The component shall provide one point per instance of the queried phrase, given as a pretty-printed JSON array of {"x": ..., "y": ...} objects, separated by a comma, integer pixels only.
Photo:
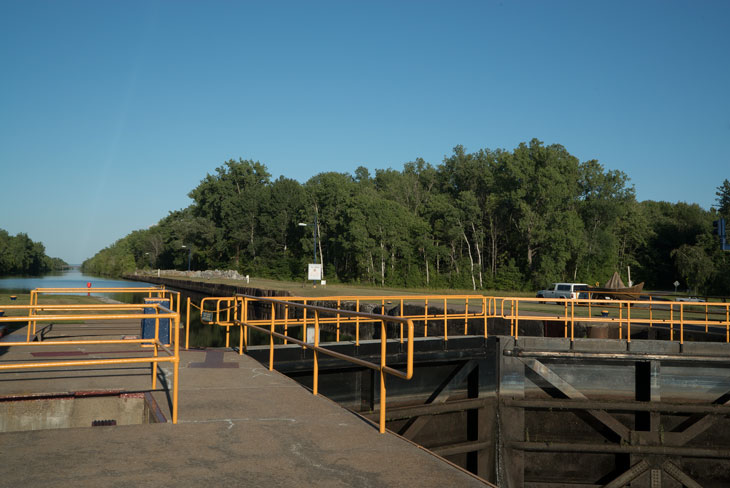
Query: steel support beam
[{"x": 622, "y": 449}]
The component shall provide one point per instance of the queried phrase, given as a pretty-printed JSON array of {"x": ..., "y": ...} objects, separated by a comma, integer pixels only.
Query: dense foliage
[
  {"x": 19, "y": 255},
  {"x": 490, "y": 219}
]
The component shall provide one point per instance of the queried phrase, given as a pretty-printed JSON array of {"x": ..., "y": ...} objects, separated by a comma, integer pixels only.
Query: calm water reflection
[{"x": 68, "y": 279}]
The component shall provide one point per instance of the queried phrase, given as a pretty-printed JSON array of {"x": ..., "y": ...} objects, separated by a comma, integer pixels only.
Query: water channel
[{"x": 72, "y": 278}]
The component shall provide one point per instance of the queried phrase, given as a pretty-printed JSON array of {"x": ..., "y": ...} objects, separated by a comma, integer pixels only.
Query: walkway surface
[{"x": 239, "y": 425}]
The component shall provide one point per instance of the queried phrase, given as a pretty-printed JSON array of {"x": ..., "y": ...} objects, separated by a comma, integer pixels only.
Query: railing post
[
  {"x": 681, "y": 323},
  {"x": 572, "y": 322},
  {"x": 304, "y": 324},
  {"x": 517, "y": 318},
  {"x": 512, "y": 317},
  {"x": 671, "y": 322},
  {"x": 425, "y": 318},
  {"x": 357, "y": 323},
  {"x": 246, "y": 301},
  {"x": 383, "y": 352},
  {"x": 651, "y": 315},
  {"x": 157, "y": 341},
  {"x": 620, "y": 321},
  {"x": 401, "y": 324},
  {"x": 241, "y": 328},
  {"x": 485, "y": 312},
  {"x": 271, "y": 338},
  {"x": 628, "y": 321},
  {"x": 286, "y": 321},
  {"x": 176, "y": 368},
  {"x": 590, "y": 312},
  {"x": 446, "y": 320},
  {"x": 315, "y": 370},
  {"x": 30, "y": 313},
  {"x": 466, "y": 316},
  {"x": 337, "y": 339},
  {"x": 187, "y": 325}
]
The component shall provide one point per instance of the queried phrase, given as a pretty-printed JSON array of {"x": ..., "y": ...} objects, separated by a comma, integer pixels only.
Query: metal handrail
[
  {"x": 161, "y": 292},
  {"x": 475, "y": 307},
  {"x": 675, "y": 315},
  {"x": 240, "y": 319},
  {"x": 659, "y": 313},
  {"x": 161, "y": 312}
]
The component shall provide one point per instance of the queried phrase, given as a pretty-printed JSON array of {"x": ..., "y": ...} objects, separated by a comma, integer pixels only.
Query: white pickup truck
[{"x": 565, "y": 290}]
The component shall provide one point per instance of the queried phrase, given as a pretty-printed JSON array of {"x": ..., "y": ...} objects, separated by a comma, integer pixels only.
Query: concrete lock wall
[{"x": 69, "y": 412}]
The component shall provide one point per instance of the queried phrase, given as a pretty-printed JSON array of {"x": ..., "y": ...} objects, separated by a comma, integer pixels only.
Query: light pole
[
  {"x": 190, "y": 253},
  {"x": 302, "y": 224}
]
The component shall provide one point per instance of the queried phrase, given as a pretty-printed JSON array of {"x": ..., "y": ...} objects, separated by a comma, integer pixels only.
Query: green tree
[
  {"x": 231, "y": 199},
  {"x": 723, "y": 198}
]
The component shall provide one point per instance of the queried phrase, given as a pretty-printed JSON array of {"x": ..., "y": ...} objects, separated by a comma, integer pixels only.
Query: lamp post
[
  {"x": 302, "y": 224},
  {"x": 190, "y": 253}
]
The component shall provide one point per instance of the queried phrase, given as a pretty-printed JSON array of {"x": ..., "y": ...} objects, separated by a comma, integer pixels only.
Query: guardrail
[
  {"x": 474, "y": 312},
  {"x": 675, "y": 316},
  {"x": 456, "y": 308},
  {"x": 159, "y": 292},
  {"x": 104, "y": 312}
]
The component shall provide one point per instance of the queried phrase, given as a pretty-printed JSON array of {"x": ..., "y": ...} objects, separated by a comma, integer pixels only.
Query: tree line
[
  {"x": 19, "y": 255},
  {"x": 490, "y": 219}
]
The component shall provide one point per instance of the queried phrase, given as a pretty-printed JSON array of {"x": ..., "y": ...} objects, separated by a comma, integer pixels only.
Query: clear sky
[{"x": 112, "y": 111}]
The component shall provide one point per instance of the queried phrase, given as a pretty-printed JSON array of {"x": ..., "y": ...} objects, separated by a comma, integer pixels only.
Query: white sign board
[{"x": 315, "y": 272}]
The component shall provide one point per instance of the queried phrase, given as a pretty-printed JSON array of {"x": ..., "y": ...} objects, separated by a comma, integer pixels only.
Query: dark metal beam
[
  {"x": 621, "y": 356},
  {"x": 460, "y": 448},
  {"x": 440, "y": 396},
  {"x": 558, "y": 404},
  {"x": 629, "y": 475},
  {"x": 619, "y": 449},
  {"x": 400, "y": 413},
  {"x": 673, "y": 470}
]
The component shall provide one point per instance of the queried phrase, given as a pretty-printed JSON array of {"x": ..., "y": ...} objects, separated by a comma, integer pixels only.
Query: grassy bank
[{"x": 306, "y": 289}]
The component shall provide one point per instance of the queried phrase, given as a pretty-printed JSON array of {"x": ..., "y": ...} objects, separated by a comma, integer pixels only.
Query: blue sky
[{"x": 111, "y": 112}]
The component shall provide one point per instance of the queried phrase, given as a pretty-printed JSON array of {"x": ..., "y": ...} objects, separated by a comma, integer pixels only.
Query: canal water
[{"x": 68, "y": 279}]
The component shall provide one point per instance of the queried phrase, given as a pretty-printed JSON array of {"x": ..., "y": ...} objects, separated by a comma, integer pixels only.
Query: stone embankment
[{"x": 228, "y": 274}]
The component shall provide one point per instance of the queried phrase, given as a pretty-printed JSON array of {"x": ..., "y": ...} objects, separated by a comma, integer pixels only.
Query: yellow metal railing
[
  {"x": 475, "y": 311},
  {"x": 622, "y": 315},
  {"x": 33, "y": 317},
  {"x": 104, "y": 312},
  {"x": 457, "y": 309},
  {"x": 234, "y": 311}
]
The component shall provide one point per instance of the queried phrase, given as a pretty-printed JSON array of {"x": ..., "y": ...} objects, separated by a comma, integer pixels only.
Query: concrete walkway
[{"x": 239, "y": 425}]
